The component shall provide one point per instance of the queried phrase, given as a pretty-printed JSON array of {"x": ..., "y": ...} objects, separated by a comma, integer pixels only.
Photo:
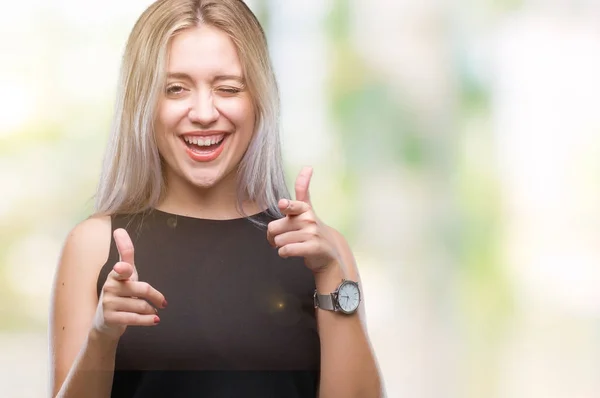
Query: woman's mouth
[{"x": 204, "y": 148}]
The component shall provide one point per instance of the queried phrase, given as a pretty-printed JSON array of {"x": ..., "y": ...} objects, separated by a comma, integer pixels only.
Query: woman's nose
[{"x": 203, "y": 110}]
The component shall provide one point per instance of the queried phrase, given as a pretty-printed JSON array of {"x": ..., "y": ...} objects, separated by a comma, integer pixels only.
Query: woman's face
[{"x": 205, "y": 114}]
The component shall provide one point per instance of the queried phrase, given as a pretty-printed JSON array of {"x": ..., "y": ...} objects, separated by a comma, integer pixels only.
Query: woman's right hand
[{"x": 123, "y": 297}]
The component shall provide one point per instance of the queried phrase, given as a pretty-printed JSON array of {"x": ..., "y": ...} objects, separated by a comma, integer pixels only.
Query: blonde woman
[{"x": 198, "y": 275}]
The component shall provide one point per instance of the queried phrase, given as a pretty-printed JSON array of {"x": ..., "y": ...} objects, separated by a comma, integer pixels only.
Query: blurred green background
[{"x": 455, "y": 144}]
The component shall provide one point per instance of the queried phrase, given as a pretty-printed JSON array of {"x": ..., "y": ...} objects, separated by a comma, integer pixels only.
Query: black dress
[{"x": 239, "y": 321}]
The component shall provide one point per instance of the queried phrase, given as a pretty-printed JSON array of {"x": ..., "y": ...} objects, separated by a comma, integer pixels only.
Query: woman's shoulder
[
  {"x": 88, "y": 242},
  {"x": 91, "y": 230}
]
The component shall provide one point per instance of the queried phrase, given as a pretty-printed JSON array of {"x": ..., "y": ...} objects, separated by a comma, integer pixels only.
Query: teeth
[{"x": 204, "y": 141}]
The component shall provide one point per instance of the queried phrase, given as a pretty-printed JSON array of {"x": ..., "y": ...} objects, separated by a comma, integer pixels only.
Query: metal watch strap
[{"x": 324, "y": 301}]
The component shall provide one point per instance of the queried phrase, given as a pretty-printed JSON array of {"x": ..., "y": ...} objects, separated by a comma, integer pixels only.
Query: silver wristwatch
[{"x": 345, "y": 298}]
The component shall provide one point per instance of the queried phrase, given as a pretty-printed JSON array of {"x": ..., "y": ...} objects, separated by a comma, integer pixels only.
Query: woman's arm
[
  {"x": 348, "y": 365},
  {"x": 91, "y": 374},
  {"x": 82, "y": 361}
]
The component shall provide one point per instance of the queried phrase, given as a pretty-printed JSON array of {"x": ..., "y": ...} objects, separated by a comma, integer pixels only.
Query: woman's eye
[
  {"x": 174, "y": 89},
  {"x": 229, "y": 90}
]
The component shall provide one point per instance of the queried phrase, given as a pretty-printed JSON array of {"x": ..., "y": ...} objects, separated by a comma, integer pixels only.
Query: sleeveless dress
[{"x": 240, "y": 320}]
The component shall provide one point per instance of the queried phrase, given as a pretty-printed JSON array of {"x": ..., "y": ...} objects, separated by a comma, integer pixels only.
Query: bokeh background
[{"x": 455, "y": 144}]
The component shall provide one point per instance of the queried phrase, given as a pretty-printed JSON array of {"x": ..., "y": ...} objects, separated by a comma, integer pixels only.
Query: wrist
[
  {"x": 102, "y": 339},
  {"x": 100, "y": 351},
  {"x": 328, "y": 279},
  {"x": 335, "y": 292}
]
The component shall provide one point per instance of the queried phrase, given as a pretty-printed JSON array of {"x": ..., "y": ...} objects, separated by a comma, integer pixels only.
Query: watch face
[{"x": 348, "y": 297}]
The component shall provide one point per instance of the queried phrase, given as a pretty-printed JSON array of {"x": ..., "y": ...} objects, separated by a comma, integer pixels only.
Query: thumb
[
  {"x": 125, "y": 248},
  {"x": 302, "y": 184}
]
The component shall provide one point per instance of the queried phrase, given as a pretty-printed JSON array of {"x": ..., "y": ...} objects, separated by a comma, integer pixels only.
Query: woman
[{"x": 195, "y": 276}]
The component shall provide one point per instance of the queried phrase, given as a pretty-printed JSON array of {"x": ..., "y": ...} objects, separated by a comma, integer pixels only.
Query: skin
[
  {"x": 200, "y": 96},
  {"x": 205, "y": 92}
]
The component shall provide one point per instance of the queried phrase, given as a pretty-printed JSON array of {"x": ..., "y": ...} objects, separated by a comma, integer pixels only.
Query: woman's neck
[{"x": 218, "y": 202}]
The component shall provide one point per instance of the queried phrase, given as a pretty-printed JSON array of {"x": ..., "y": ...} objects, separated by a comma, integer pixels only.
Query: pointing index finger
[
  {"x": 122, "y": 271},
  {"x": 293, "y": 207}
]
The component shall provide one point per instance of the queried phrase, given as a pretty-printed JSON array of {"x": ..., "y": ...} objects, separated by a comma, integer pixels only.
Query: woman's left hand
[{"x": 300, "y": 233}]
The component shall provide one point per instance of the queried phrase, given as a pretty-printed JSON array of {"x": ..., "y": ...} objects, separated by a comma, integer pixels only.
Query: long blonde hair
[{"x": 132, "y": 177}]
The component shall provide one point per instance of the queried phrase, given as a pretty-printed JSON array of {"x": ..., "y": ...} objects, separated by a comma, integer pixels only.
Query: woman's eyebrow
[
  {"x": 218, "y": 78},
  {"x": 237, "y": 78},
  {"x": 178, "y": 75}
]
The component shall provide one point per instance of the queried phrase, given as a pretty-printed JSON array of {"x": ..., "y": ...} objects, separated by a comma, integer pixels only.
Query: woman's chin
[
  {"x": 204, "y": 179},
  {"x": 203, "y": 182}
]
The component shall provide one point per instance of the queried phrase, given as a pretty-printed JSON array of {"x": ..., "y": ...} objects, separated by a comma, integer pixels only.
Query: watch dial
[{"x": 349, "y": 297}]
